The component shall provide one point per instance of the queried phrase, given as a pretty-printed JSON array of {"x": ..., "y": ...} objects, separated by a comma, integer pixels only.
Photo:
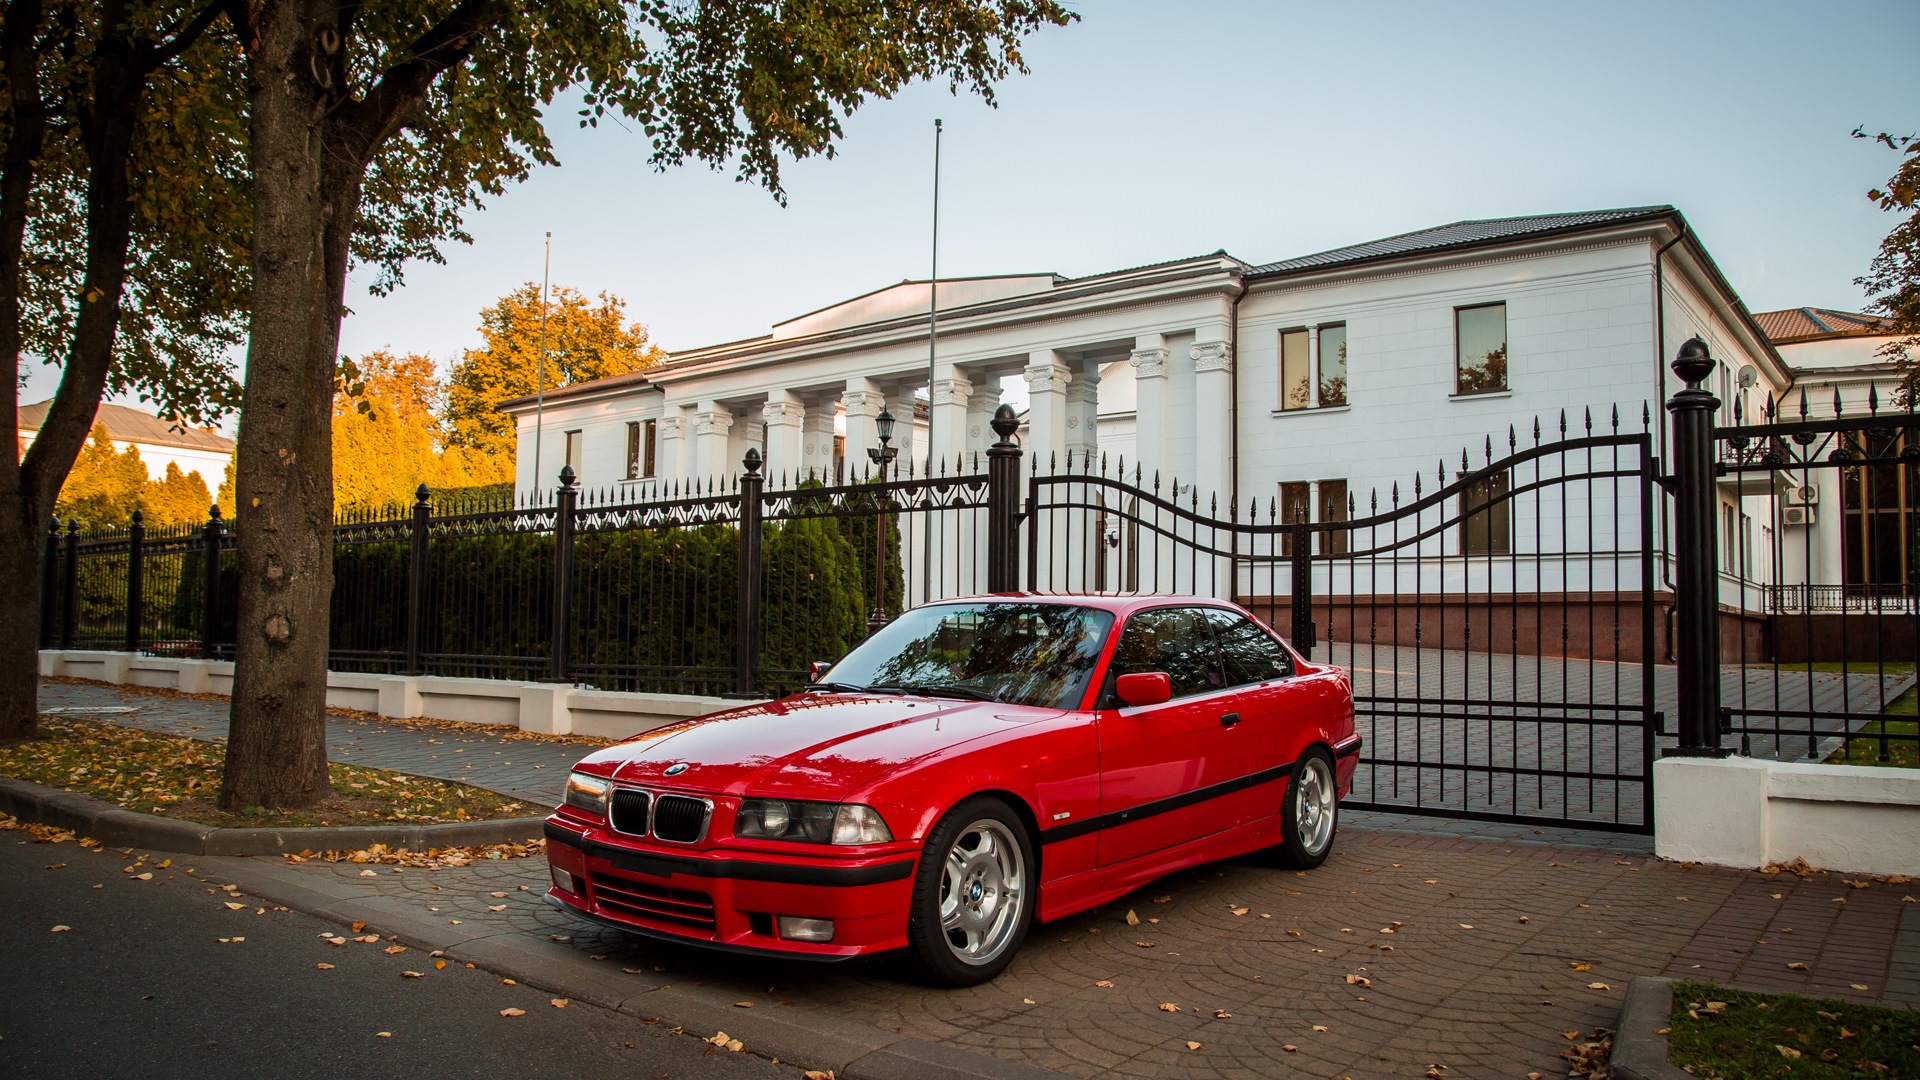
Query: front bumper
[{"x": 731, "y": 900}]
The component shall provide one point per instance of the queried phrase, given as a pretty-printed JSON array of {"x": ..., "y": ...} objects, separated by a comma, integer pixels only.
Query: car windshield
[{"x": 1022, "y": 654}]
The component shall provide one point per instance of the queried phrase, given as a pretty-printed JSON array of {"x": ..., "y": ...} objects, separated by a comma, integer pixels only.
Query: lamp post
[{"x": 882, "y": 456}]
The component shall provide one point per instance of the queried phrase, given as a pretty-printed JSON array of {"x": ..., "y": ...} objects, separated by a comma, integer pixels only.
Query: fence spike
[
  {"x": 1464, "y": 467},
  {"x": 1489, "y": 450},
  {"x": 1396, "y": 493},
  {"x": 1536, "y": 431},
  {"x": 1589, "y": 420},
  {"x": 1616, "y": 418},
  {"x": 1563, "y": 424},
  {"x": 1416, "y": 485},
  {"x": 1873, "y": 398},
  {"x": 1738, "y": 418},
  {"x": 1373, "y": 501},
  {"x": 1646, "y": 414},
  {"x": 1836, "y": 400},
  {"x": 1803, "y": 403}
]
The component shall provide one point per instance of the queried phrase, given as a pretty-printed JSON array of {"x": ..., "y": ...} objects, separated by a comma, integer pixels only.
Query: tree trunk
[{"x": 276, "y": 749}]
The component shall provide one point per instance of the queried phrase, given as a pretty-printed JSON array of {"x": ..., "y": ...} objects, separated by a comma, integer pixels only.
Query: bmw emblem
[{"x": 676, "y": 770}]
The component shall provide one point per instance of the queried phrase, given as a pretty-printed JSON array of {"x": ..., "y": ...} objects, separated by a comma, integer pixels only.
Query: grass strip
[
  {"x": 178, "y": 777},
  {"x": 1722, "y": 1034}
]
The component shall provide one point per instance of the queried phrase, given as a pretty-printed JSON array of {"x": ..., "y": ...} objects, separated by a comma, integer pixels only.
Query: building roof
[
  {"x": 135, "y": 426},
  {"x": 1462, "y": 234},
  {"x": 1795, "y": 325}
]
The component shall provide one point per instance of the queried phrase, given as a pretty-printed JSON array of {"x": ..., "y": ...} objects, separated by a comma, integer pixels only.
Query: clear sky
[{"x": 1155, "y": 130}]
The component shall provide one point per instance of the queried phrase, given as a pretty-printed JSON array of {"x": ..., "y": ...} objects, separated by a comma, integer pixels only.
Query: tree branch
[
  {"x": 444, "y": 45},
  {"x": 168, "y": 48}
]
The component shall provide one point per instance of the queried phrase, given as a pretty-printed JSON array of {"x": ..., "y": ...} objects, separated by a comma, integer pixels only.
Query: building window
[
  {"x": 642, "y": 449},
  {"x": 1296, "y": 505},
  {"x": 1881, "y": 530},
  {"x": 574, "y": 445},
  {"x": 1486, "y": 518},
  {"x": 1296, "y": 371},
  {"x": 1480, "y": 349},
  {"x": 1333, "y": 366},
  {"x": 1333, "y": 507}
]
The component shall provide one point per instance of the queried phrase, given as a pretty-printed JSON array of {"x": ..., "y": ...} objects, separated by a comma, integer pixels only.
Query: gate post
[
  {"x": 417, "y": 577},
  {"x": 49, "y": 582},
  {"x": 565, "y": 500},
  {"x": 1303, "y": 635},
  {"x": 1003, "y": 504},
  {"x": 136, "y": 580},
  {"x": 70, "y": 586},
  {"x": 210, "y": 582},
  {"x": 746, "y": 626},
  {"x": 1696, "y": 577}
]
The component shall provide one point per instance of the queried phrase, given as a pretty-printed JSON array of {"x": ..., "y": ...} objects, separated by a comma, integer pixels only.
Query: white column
[
  {"x": 862, "y": 401},
  {"x": 674, "y": 462},
  {"x": 816, "y": 440},
  {"x": 980, "y": 408},
  {"x": 1047, "y": 380},
  {"x": 1313, "y": 365},
  {"x": 783, "y": 414},
  {"x": 712, "y": 428},
  {"x": 1212, "y": 369},
  {"x": 948, "y": 411},
  {"x": 1149, "y": 362},
  {"x": 1083, "y": 409}
]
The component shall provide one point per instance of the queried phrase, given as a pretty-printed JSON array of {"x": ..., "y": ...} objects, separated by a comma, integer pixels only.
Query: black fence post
[
  {"x": 1303, "y": 636},
  {"x": 50, "y": 583},
  {"x": 210, "y": 583},
  {"x": 1696, "y": 576},
  {"x": 746, "y": 627},
  {"x": 70, "y": 586},
  {"x": 565, "y": 500},
  {"x": 417, "y": 578},
  {"x": 1003, "y": 504},
  {"x": 136, "y": 580}
]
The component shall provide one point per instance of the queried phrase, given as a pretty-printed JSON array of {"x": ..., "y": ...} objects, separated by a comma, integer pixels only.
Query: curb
[
  {"x": 1639, "y": 1048},
  {"x": 852, "y": 1050},
  {"x": 115, "y": 827}
]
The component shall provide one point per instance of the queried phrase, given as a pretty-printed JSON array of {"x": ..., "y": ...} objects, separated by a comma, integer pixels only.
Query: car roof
[{"x": 1121, "y": 604}]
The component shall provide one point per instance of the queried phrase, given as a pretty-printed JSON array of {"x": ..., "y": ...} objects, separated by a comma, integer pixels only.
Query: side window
[
  {"x": 1247, "y": 654},
  {"x": 1177, "y": 641}
]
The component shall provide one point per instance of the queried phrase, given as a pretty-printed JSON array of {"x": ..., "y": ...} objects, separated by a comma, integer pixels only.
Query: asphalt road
[{"x": 141, "y": 985}]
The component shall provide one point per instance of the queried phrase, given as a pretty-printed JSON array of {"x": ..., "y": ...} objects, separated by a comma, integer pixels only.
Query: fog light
[
  {"x": 567, "y": 882},
  {"x": 797, "y": 929}
]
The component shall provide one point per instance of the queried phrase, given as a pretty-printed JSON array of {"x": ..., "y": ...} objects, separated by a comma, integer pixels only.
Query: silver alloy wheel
[
  {"x": 1313, "y": 807},
  {"x": 983, "y": 884}
]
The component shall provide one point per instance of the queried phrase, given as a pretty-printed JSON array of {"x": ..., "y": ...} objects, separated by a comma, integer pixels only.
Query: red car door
[
  {"x": 1157, "y": 762},
  {"x": 1276, "y": 707}
]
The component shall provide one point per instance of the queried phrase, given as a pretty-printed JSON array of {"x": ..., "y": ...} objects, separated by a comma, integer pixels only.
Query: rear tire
[
  {"x": 1310, "y": 814},
  {"x": 973, "y": 896}
]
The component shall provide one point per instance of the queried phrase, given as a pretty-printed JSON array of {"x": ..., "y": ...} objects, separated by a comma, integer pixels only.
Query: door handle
[{"x": 1229, "y": 719}]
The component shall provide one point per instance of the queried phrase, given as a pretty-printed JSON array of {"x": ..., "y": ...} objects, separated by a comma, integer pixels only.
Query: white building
[{"x": 160, "y": 442}]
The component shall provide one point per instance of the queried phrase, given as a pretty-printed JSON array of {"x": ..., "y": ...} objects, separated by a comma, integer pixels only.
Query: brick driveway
[{"x": 1462, "y": 982}]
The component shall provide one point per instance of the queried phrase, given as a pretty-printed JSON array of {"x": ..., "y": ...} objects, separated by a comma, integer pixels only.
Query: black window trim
[{"x": 1107, "y": 699}]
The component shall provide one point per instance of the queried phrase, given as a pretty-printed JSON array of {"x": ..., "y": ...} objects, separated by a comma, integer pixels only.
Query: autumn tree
[
  {"x": 583, "y": 341},
  {"x": 1892, "y": 280},
  {"x": 429, "y": 106},
  {"x": 177, "y": 498},
  {"x": 123, "y": 248},
  {"x": 388, "y": 439},
  {"x": 105, "y": 486}
]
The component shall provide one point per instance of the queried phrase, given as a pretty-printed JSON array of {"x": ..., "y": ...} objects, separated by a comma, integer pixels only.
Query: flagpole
[
  {"x": 933, "y": 343},
  {"x": 540, "y": 388}
]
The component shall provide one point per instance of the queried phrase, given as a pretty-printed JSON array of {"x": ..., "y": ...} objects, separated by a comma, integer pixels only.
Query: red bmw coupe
[{"x": 975, "y": 765}]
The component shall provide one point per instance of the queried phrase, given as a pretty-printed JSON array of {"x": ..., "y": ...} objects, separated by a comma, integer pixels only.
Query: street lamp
[{"x": 882, "y": 456}]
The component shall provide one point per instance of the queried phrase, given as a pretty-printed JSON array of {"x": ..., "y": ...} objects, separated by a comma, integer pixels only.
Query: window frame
[
  {"x": 1234, "y": 618},
  {"x": 1498, "y": 508},
  {"x": 1506, "y": 351},
  {"x": 1307, "y": 342},
  {"x": 1320, "y": 368},
  {"x": 573, "y": 445},
  {"x": 1109, "y": 697}
]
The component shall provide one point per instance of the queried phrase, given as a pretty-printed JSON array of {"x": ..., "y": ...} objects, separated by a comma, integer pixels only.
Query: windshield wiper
[
  {"x": 837, "y": 687},
  {"x": 940, "y": 691}
]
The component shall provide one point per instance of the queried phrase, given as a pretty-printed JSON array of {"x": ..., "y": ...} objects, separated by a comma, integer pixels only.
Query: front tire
[
  {"x": 973, "y": 895},
  {"x": 1311, "y": 813}
]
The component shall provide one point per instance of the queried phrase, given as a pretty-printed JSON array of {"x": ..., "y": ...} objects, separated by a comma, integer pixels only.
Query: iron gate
[{"x": 1498, "y": 616}]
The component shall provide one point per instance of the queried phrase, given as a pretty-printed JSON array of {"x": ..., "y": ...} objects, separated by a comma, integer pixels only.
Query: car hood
[{"x": 810, "y": 746}]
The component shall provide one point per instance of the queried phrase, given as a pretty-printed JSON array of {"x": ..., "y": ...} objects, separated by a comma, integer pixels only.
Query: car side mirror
[
  {"x": 818, "y": 670},
  {"x": 1144, "y": 688}
]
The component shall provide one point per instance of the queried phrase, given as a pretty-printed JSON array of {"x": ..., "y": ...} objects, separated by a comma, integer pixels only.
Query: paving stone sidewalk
[{"x": 1478, "y": 974}]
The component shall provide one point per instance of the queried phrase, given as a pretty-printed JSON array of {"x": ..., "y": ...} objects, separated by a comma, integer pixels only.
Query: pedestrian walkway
[{"x": 531, "y": 769}]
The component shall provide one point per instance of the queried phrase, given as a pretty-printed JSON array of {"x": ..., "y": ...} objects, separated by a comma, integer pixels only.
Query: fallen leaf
[
  {"x": 558, "y": 1003},
  {"x": 1104, "y": 982},
  {"x": 1222, "y": 1014},
  {"x": 1466, "y": 926},
  {"x": 1821, "y": 1013},
  {"x": 411, "y": 975},
  {"x": 148, "y": 876},
  {"x": 1858, "y": 986},
  {"x": 1598, "y": 986},
  {"x": 1191, "y": 1045},
  {"x": 1845, "y": 1034},
  {"x": 1162, "y": 899},
  {"x": 1289, "y": 1048},
  {"x": 1578, "y": 966},
  {"x": 1024, "y": 1001},
  {"x": 1433, "y": 881},
  {"x": 1570, "y": 1034},
  {"x": 496, "y": 907},
  {"x": 369, "y": 873},
  {"x": 1144, "y": 944},
  {"x": 1168, "y": 1006},
  {"x": 394, "y": 950},
  {"x": 357, "y": 927},
  {"x": 513, "y": 1012},
  {"x": 61, "y": 929},
  {"x": 816, "y": 1074},
  {"x": 1523, "y": 918},
  {"x": 368, "y": 939},
  {"x": 1239, "y": 911},
  {"x": 1293, "y": 933},
  {"x": 1786, "y": 1051},
  {"x": 498, "y": 895},
  {"x": 1798, "y": 967},
  {"x": 1319, "y": 1027},
  {"x": 231, "y": 906},
  {"x": 508, "y": 982},
  {"x": 1132, "y": 919},
  {"x": 383, "y": 1034},
  {"x": 324, "y": 967},
  {"x": 1359, "y": 980}
]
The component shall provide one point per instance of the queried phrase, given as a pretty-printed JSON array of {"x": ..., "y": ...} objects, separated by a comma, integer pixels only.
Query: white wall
[{"x": 1745, "y": 813}]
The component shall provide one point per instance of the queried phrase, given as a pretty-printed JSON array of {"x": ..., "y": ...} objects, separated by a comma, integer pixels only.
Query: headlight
[
  {"x": 809, "y": 822},
  {"x": 588, "y": 793}
]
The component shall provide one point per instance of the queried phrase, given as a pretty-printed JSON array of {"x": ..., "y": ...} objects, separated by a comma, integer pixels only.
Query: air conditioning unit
[
  {"x": 1797, "y": 515},
  {"x": 1801, "y": 495}
]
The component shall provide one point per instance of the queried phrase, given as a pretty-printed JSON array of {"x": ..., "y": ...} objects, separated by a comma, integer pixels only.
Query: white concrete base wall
[
  {"x": 1860, "y": 819},
  {"x": 547, "y": 708}
]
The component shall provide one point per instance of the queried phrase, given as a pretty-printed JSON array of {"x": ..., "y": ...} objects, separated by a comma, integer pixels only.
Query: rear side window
[
  {"x": 1247, "y": 654},
  {"x": 1178, "y": 641}
]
